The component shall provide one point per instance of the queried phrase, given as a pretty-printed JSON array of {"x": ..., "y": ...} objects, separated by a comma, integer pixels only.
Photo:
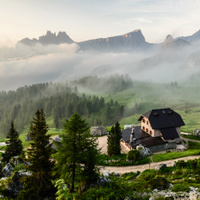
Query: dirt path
[
  {"x": 102, "y": 143},
  {"x": 141, "y": 168}
]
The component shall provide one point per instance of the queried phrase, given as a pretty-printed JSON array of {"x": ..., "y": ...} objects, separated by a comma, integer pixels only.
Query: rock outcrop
[
  {"x": 98, "y": 131},
  {"x": 7, "y": 170},
  {"x": 170, "y": 43},
  {"x": 48, "y": 39},
  {"x": 160, "y": 166},
  {"x": 144, "y": 151},
  {"x": 126, "y": 42}
]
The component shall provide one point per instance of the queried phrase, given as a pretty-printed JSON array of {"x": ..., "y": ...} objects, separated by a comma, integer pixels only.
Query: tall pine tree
[
  {"x": 74, "y": 162},
  {"x": 14, "y": 144},
  {"x": 39, "y": 184},
  {"x": 113, "y": 141}
]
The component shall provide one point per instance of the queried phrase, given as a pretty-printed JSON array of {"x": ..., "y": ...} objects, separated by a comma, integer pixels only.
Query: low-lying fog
[{"x": 24, "y": 65}]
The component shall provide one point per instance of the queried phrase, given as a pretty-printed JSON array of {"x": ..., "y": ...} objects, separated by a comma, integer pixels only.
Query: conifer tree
[
  {"x": 14, "y": 144},
  {"x": 38, "y": 185},
  {"x": 113, "y": 141},
  {"x": 74, "y": 162}
]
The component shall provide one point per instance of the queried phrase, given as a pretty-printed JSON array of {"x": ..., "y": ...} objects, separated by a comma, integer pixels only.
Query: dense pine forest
[{"x": 60, "y": 101}]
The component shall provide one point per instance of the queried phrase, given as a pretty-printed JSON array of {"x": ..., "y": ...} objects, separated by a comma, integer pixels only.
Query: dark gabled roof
[
  {"x": 163, "y": 118},
  {"x": 148, "y": 142},
  {"x": 141, "y": 137},
  {"x": 138, "y": 133},
  {"x": 169, "y": 133}
]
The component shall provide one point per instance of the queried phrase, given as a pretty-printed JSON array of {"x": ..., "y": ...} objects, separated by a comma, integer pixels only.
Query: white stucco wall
[{"x": 146, "y": 126}]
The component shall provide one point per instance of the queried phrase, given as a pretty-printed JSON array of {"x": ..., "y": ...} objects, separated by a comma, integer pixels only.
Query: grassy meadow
[
  {"x": 144, "y": 96},
  {"x": 139, "y": 97}
]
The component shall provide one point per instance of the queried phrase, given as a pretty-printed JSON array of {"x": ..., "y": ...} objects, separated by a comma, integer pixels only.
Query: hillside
[
  {"x": 102, "y": 101},
  {"x": 59, "y": 101}
]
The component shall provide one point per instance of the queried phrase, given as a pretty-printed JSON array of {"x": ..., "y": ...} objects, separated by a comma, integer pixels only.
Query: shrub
[
  {"x": 180, "y": 187},
  {"x": 147, "y": 175},
  {"x": 192, "y": 164},
  {"x": 19, "y": 167},
  {"x": 133, "y": 155},
  {"x": 181, "y": 164},
  {"x": 193, "y": 145},
  {"x": 165, "y": 170},
  {"x": 158, "y": 183},
  {"x": 130, "y": 175}
]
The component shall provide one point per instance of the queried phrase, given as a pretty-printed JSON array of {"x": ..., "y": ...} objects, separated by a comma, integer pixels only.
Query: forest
[
  {"x": 102, "y": 100},
  {"x": 59, "y": 101},
  {"x": 72, "y": 172}
]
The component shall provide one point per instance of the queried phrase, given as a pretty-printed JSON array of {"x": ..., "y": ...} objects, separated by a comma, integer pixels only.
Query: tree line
[
  {"x": 74, "y": 162},
  {"x": 59, "y": 101}
]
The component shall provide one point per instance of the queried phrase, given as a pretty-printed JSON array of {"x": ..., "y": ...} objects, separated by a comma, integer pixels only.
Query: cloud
[{"x": 25, "y": 65}]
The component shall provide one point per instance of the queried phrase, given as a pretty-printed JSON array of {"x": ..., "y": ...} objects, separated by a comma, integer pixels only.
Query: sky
[{"x": 89, "y": 19}]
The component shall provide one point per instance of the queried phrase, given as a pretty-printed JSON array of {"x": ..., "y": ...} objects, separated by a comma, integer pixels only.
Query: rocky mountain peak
[
  {"x": 49, "y": 38},
  {"x": 194, "y": 38},
  {"x": 170, "y": 42},
  {"x": 125, "y": 42}
]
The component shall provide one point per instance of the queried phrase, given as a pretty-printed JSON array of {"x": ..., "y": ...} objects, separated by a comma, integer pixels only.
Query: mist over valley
[
  {"x": 125, "y": 69},
  {"x": 56, "y": 57}
]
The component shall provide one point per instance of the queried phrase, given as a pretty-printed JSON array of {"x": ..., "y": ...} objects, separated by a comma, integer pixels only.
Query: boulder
[
  {"x": 144, "y": 151},
  {"x": 15, "y": 185},
  {"x": 28, "y": 137},
  {"x": 102, "y": 180},
  {"x": 196, "y": 132},
  {"x": 16, "y": 160},
  {"x": 98, "y": 131},
  {"x": 7, "y": 170},
  {"x": 160, "y": 166}
]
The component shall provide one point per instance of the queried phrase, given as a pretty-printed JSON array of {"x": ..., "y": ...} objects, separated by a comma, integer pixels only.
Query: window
[
  {"x": 143, "y": 120},
  {"x": 143, "y": 128},
  {"x": 147, "y": 130},
  {"x": 150, "y": 132},
  {"x": 147, "y": 122}
]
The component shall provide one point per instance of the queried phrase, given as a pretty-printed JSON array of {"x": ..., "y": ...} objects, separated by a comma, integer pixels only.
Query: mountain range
[
  {"x": 57, "y": 57},
  {"x": 128, "y": 42}
]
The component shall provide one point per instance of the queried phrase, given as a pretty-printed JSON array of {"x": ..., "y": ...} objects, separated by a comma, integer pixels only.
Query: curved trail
[
  {"x": 141, "y": 168},
  {"x": 103, "y": 145}
]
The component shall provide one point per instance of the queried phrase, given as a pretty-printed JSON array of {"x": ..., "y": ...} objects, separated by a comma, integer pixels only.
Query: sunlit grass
[{"x": 175, "y": 155}]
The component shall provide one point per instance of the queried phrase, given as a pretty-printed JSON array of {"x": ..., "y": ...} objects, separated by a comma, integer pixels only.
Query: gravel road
[
  {"x": 141, "y": 168},
  {"x": 102, "y": 143}
]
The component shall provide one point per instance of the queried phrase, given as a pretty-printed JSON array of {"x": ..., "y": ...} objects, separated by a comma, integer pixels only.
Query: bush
[
  {"x": 147, "y": 175},
  {"x": 165, "y": 170},
  {"x": 181, "y": 164},
  {"x": 19, "y": 167},
  {"x": 133, "y": 155},
  {"x": 180, "y": 187},
  {"x": 158, "y": 182},
  {"x": 115, "y": 189},
  {"x": 119, "y": 160},
  {"x": 130, "y": 175},
  {"x": 193, "y": 145}
]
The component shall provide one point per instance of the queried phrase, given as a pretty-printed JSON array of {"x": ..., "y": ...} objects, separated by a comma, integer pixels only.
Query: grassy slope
[
  {"x": 149, "y": 96},
  {"x": 174, "y": 155},
  {"x": 183, "y": 100}
]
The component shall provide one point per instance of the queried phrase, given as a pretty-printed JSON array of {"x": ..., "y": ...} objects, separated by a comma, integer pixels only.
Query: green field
[
  {"x": 175, "y": 155},
  {"x": 138, "y": 97}
]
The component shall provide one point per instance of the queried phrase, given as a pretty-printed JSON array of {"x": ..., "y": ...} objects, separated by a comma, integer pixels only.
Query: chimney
[{"x": 132, "y": 135}]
